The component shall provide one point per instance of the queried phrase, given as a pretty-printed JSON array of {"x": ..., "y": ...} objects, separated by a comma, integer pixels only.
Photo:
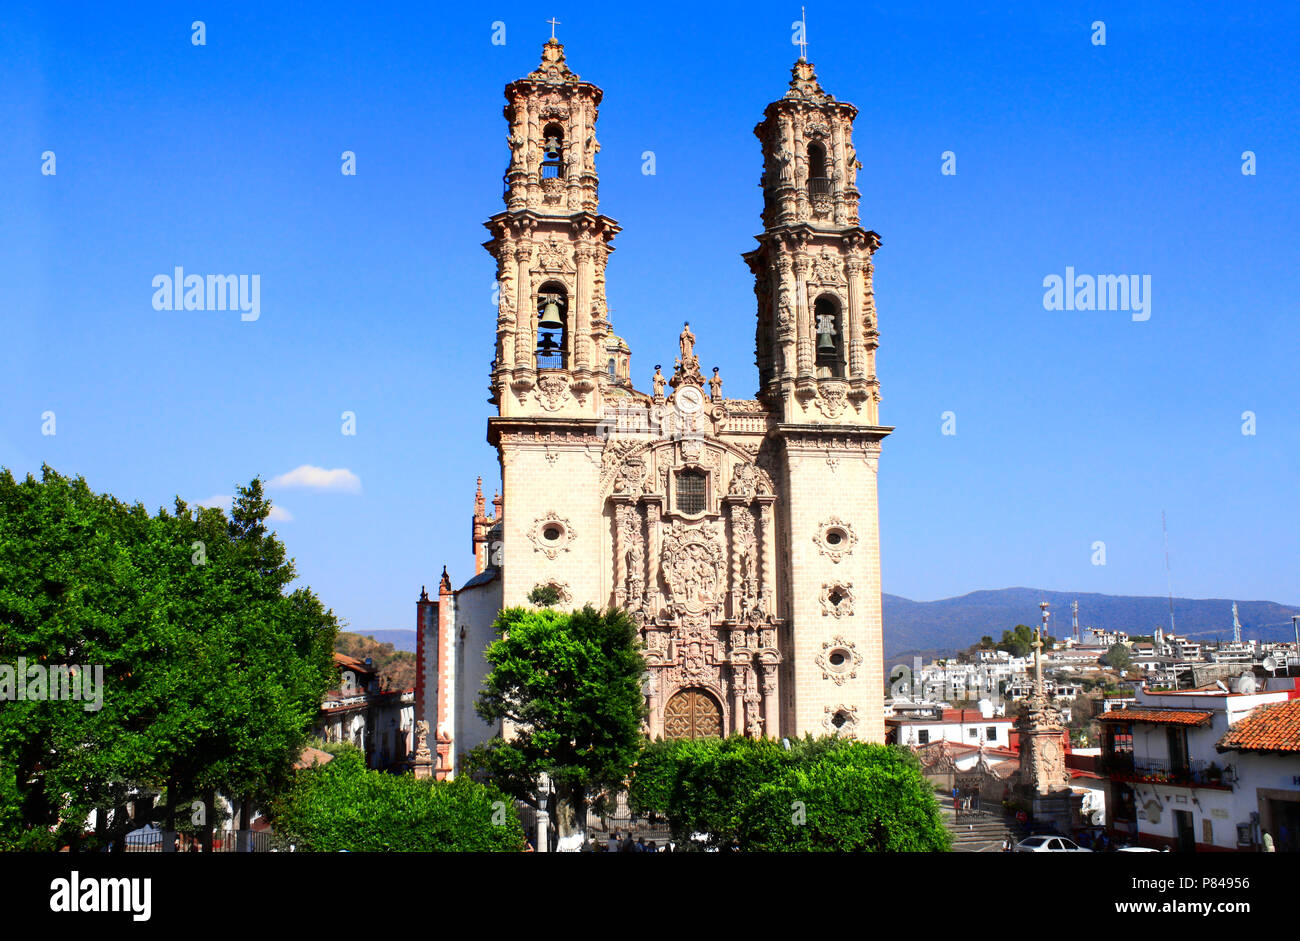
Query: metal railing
[
  {"x": 1125, "y": 766},
  {"x": 819, "y": 186}
]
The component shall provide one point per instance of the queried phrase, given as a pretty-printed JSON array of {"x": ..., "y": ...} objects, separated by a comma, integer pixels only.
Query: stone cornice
[
  {"x": 544, "y": 431},
  {"x": 841, "y": 437},
  {"x": 583, "y": 221},
  {"x": 852, "y": 236}
]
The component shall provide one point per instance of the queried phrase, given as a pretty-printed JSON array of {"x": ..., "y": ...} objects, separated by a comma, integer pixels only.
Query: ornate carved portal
[
  {"x": 692, "y": 713},
  {"x": 698, "y": 577}
]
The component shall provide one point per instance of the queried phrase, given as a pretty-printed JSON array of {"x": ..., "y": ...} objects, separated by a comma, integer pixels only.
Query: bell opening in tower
[
  {"x": 552, "y": 152},
  {"x": 830, "y": 358},
  {"x": 552, "y": 326},
  {"x": 819, "y": 183}
]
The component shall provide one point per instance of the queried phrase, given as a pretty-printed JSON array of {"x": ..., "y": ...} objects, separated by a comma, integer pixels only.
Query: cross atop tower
[
  {"x": 554, "y": 23},
  {"x": 803, "y": 33}
]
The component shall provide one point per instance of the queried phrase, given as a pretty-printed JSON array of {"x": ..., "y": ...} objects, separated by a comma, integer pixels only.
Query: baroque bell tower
[
  {"x": 551, "y": 244},
  {"x": 558, "y": 363},
  {"x": 816, "y": 354}
]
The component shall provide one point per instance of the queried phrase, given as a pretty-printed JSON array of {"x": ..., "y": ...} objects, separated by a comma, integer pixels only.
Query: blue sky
[{"x": 1072, "y": 426}]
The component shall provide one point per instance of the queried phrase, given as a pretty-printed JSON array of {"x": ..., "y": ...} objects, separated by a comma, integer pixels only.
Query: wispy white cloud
[{"x": 319, "y": 478}]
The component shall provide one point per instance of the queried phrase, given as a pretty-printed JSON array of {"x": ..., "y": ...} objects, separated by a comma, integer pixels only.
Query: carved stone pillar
[
  {"x": 838, "y": 171},
  {"x": 581, "y": 314},
  {"x": 803, "y": 328},
  {"x": 735, "y": 507},
  {"x": 573, "y": 168},
  {"x": 623, "y": 511},
  {"x": 653, "y": 510},
  {"x": 771, "y": 701},
  {"x": 767, "y": 538},
  {"x": 786, "y": 317},
  {"x": 738, "y": 674},
  {"x": 524, "y": 341},
  {"x": 856, "y": 353},
  {"x": 655, "y": 707}
]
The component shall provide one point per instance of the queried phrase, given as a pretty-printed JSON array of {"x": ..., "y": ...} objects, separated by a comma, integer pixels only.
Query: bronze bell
[
  {"x": 550, "y": 317},
  {"x": 825, "y": 343},
  {"x": 552, "y": 148}
]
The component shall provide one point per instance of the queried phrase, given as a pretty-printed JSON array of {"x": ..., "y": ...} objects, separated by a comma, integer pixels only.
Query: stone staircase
[{"x": 979, "y": 832}]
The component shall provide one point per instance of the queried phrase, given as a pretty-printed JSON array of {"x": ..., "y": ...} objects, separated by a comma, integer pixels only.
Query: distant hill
[
  {"x": 943, "y": 627},
  {"x": 400, "y": 639},
  {"x": 396, "y": 667}
]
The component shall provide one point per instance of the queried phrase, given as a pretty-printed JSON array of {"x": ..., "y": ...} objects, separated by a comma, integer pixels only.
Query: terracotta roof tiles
[
  {"x": 1187, "y": 717},
  {"x": 1273, "y": 728}
]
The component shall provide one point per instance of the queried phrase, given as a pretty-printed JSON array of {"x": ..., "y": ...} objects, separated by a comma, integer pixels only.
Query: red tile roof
[
  {"x": 352, "y": 663},
  {"x": 309, "y": 757},
  {"x": 1274, "y": 728},
  {"x": 1157, "y": 716}
]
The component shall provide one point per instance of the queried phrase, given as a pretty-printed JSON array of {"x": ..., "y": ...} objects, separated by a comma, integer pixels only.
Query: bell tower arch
[{"x": 551, "y": 244}]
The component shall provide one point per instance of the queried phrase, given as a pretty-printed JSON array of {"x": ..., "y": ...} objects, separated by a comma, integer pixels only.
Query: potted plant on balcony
[{"x": 1214, "y": 774}]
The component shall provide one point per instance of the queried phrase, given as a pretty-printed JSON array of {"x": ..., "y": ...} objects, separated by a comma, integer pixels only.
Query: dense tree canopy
[
  {"x": 344, "y": 806},
  {"x": 570, "y": 686},
  {"x": 212, "y": 670},
  {"x": 816, "y": 794}
]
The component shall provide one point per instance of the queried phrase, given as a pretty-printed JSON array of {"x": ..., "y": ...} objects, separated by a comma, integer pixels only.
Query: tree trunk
[
  {"x": 171, "y": 804},
  {"x": 209, "y": 812}
]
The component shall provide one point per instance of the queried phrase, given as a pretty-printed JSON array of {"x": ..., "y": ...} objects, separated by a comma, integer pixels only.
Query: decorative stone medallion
[
  {"x": 835, "y": 538},
  {"x": 551, "y": 534},
  {"x": 841, "y": 720},
  {"x": 837, "y": 599},
  {"x": 839, "y": 660},
  {"x": 552, "y": 390}
]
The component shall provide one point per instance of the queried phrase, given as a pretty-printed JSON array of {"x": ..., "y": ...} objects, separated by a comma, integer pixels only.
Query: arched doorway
[{"x": 692, "y": 713}]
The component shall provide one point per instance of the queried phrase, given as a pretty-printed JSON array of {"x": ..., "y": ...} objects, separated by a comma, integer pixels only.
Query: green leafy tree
[
  {"x": 1117, "y": 656},
  {"x": 748, "y": 794},
  {"x": 211, "y": 673},
  {"x": 570, "y": 685},
  {"x": 855, "y": 799},
  {"x": 546, "y": 596},
  {"x": 1019, "y": 642},
  {"x": 342, "y": 805}
]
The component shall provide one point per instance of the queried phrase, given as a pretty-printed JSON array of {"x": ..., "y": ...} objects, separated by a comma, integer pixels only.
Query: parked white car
[{"x": 1048, "y": 844}]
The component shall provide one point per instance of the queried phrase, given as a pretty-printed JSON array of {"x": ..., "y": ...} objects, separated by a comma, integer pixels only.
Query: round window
[
  {"x": 839, "y": 659},
  {"x": 552, "y": 533},
  {"x": 834, "y": 537}
]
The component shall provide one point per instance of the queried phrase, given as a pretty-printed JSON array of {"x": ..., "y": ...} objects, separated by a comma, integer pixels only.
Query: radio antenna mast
[{"x": 1168, "y": 574}]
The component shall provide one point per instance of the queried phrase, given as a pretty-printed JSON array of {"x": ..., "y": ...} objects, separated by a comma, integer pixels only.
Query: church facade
[{"x": 740, "y": 534}]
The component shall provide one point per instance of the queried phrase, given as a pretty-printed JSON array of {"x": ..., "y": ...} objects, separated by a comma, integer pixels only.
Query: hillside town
[{"x": 1167, "y": 742}]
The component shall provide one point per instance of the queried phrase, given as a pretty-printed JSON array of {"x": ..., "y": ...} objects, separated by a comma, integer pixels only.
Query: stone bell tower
[
  {"x": 552, "y": 377},
  {"x": 816, "y": 354},
  {"x": 551, "y": 244}
]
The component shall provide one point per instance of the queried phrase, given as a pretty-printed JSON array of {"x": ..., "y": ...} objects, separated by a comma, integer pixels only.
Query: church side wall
[
  {"x": 822, "y": 497},
  {"x": 555, "y": 483},
  {"x": 476, "y": 611}
]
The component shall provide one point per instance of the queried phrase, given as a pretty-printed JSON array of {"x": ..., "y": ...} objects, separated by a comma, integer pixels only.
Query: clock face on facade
[{"x": 688, "y": 400}]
